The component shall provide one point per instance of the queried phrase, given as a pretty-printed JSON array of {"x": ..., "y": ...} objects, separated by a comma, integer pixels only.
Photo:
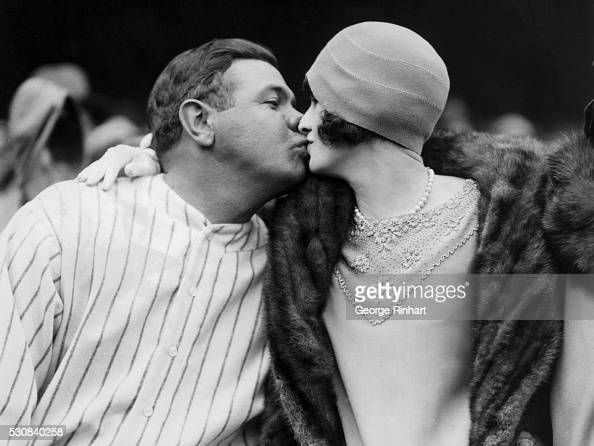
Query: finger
[
  {"x": 95, "y": 173},
  {"x": 146, "y": 141},
  {"x": 152, "y": 154},
  {"x": 114, "y": 160},
  {"x": 120, "y": 154},
  {"x": 91, "y": 169},
  {"x": 142, "y": 165},
  {"x": 131, "y": 169},
  {"x": 83, "y": 175},
  {"x": 111, "y": 173}
]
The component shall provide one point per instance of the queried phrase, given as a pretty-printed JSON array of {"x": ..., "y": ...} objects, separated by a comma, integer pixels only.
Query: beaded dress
[{"x": 396, "y": 377}]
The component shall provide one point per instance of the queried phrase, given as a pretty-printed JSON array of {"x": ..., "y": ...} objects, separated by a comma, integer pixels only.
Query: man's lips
[
  {"x": 308, "y": 145},
  {"x": 301, "y": 146},
  {"x": 301, "y": 150}
]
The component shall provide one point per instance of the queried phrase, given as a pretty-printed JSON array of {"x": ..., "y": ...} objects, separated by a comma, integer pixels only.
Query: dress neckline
[{"x": 468, "y": 186}]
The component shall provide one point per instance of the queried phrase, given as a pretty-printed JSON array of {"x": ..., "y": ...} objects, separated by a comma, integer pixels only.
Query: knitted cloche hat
[{"x": 384, "y": 78}]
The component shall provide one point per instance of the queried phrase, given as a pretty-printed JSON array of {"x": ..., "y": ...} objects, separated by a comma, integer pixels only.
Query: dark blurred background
[
  {"x": 523, "y": 56},
  {"x": 75, "y": 76}
]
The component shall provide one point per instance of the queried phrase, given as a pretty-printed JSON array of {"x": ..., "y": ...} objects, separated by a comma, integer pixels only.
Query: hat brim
[{"x": 33, "y": 149}]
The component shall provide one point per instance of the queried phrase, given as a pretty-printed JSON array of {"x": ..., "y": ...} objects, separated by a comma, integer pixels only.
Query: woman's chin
[
  {"x": 322, "y": 169},
  {"x": 317, "y": 168},
  {"x": 315, "y": 164}
]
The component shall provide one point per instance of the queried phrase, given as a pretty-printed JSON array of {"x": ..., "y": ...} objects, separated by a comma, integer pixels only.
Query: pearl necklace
[{"x": 420, "y": 205}]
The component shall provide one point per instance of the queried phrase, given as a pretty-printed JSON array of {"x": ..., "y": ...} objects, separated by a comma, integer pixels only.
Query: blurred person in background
[
  {"x": 512, "y": 124},
  {"x": 104, "y": 119},
  {"x": 456, "y": 116},
  {"x": 50, "y": 135},
  {"x": 45, "y": 143}
]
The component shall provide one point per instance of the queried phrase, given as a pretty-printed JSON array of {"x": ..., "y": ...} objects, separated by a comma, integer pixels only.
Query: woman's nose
[{"x": 304, "y": 123}]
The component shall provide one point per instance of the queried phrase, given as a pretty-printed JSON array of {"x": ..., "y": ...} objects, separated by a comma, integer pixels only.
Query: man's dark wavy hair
[
  {"x": 334, "y": 130},
  {"x": 196, "y": 74}
]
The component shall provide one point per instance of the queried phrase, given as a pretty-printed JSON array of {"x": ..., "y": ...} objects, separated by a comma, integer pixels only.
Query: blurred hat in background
[
  {"x": 32, "y": 105},
  {"x": 69, "y": 76},
  {"x": 43, "y": 127}
]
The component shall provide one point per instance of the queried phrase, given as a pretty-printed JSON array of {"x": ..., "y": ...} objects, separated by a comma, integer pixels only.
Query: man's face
[{"x": 259, "y": 134}]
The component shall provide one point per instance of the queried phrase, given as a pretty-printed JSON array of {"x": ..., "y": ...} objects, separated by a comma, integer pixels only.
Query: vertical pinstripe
[
  {"x": 105, "y": 323},
  {"x": 127, "y": 324},
  {"x": 14, "y": 380},
  {"x": 262, "y": 355},
  {"x": 28, "y": 267},
  {"x": 25, "y": 407},
  {"x": 184, "y": 327},
  {"x": 34, "y": 296},
  {"x": 185, "y": 324},
  {"x": 130, "y": 318},
  {"x": 194, "y": 343},
  {"x": 86, "y": 371},
  {"x": 184, "y": 264},
  {"x": 42, "y": 359},
  {"x": 73, "y": 281},
  {"x": 86, "y": 316},
  {"x": 127, "y": 411},
  {"x": 22, "y": 242},
  {"x": 52, "y": 225},
  {"x": 8, "y": 331},
  {"x": 144, "y": 375},
  {"x": 95, "y": 239},
  {"x": 40, "y": 326},
  {"x": 231, "y": 338},
  {"x": 208, "y": 346},
  {"x": 243, "y": 361}
]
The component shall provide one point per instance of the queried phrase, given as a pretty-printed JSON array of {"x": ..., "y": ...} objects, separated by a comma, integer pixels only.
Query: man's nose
[{"x": 293, "y": 119}]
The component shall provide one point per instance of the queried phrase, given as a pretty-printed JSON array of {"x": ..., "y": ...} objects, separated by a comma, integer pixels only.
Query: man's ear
[
  {"x": 589, "y": 121},
  {"x": 194, "y": 116}
]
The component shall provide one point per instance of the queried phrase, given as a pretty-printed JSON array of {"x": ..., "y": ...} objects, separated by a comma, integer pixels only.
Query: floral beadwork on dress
[
  {"x": 411, "y": 242},
  {"x": 361, "y": 263}
]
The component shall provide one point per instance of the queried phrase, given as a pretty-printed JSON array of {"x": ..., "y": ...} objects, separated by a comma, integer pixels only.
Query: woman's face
[{"x": 323, "y": 159}]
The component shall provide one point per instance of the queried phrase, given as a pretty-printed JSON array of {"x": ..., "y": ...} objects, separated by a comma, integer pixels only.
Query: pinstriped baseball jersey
[{"x": 130, "y": 319}]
